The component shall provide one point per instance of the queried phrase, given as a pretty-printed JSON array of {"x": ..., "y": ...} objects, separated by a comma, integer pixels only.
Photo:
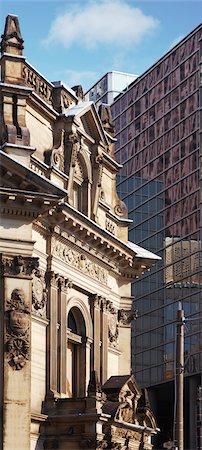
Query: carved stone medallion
[
  {"x": 39, "y": 294},
  {"x": 17, "y": 329},
  {"x": 113, "y": 330}
]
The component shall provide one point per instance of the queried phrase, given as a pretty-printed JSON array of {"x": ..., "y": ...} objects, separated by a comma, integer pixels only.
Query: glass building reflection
[{"x": 158, "y": 130}]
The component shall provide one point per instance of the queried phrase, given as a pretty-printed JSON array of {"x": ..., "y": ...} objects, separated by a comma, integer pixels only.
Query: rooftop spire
[{"x": 12, "y": 41}]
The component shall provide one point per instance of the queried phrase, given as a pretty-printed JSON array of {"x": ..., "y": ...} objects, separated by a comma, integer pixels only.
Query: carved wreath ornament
[{"x": 17, "y": 330}]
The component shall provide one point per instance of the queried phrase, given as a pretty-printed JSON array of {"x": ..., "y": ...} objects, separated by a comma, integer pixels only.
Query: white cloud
[
  {"x": 104, "y": 22},
  {"x": 176, "y": 40}
]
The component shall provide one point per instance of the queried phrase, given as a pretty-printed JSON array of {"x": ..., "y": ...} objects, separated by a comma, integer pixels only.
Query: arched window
[{"x": 76, "y": 353}]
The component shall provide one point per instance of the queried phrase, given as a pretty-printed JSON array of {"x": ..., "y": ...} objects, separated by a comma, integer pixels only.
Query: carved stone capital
[
  {"x": 95, "y": 300},
  {"x": 57, "y": 281},
  {"x": 17, "y": 317},
  {"x": 64, "y": 284},
  {"x": 104, "y": 304},
  {"x": 18, "y": 265},
  {"x": 126, "y": 316}
]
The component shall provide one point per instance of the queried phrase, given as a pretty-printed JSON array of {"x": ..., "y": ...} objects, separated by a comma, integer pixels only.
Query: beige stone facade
[{"x": 66, "y": 269}]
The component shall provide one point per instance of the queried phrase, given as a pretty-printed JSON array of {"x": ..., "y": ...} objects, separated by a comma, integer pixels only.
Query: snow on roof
[
  {"x": 142, "y": 252},
  {"x": 76, "y": 109}
]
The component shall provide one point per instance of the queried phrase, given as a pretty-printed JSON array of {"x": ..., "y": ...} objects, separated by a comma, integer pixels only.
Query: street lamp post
[{"x": 179, "y": 384}]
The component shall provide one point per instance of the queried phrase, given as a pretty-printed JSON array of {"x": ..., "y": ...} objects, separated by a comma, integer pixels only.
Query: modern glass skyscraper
[
  {"x": 108, "y": 87},
  {"x": 158, "y": 129}
]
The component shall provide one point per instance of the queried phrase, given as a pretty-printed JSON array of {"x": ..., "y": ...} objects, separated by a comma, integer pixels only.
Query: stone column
[
  {"x": 16, "y": 301},
  {"x": 52, "y": 333},
  {"x": 104, "y": 349}
]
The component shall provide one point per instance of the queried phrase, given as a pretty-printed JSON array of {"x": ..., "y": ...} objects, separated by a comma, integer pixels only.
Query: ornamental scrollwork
[
  {"x": 121, "y": 209},
  {"x": 17, "y": 330}
]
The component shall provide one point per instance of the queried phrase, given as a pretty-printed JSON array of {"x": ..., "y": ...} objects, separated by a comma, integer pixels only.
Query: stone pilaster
[
  {"x": 104, "y": 348},
  {"x": 52, "y": 333},
  {"x": 62, "y": 333},
  {"x": 95, "y": 311},
  {"x": 16, "y": 289}
]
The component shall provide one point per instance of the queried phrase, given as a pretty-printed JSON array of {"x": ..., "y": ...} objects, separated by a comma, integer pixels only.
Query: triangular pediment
[{"x": 89, "y": 119}]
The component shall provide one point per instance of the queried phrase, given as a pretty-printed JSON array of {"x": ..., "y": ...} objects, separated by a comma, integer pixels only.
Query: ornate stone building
[{"x": 66, "y": 269}]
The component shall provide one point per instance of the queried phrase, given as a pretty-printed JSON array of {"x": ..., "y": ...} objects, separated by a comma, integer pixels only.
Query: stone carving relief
[
  {"x": 113, "y": 326},
  {"x": 74, "y": 140},
  {"x": 125, "y": 317},
  {"x": 18, "y": 265},
  {"x": 17, "y": 316},
  {"x": 78, "y": 91},
  {"x": 126, "y": 434},
  {"x": 99, "y": 167},
  {"x": 79, "y": 261},
  {"x": 39, "y": 293}
]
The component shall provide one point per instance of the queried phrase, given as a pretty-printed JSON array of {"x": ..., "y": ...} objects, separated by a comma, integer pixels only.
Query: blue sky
[{"x": 79, "y": 41}]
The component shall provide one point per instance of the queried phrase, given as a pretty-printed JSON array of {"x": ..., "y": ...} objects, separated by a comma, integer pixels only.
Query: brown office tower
[{"x": 158, "y": 131}]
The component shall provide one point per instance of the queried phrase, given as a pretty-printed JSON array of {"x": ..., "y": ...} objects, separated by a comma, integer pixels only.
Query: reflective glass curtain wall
[{"x": 158, "y": 125}]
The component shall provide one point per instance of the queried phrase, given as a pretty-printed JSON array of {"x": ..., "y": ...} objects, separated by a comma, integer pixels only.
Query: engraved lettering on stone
[
  {"x": 17, "y": 330},
  {"x": 38, "y": 84},
  {"x": 79, "y": 261}
]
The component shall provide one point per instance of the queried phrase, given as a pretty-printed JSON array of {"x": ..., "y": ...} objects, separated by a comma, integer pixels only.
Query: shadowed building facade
[
  {"x": 66, "y": 271},
  {"x": 158, "y": 132}
]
